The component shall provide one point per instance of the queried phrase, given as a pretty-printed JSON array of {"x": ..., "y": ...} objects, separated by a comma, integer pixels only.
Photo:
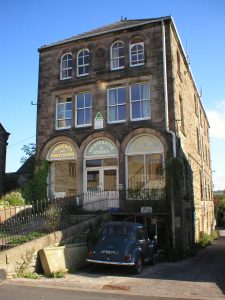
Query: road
[{"x": 198, "y": 277}]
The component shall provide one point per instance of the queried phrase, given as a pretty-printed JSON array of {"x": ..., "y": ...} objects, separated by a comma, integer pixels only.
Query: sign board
[
  {"x": 177, "y": 222},
  {"x": 99, "y": 120},
  {"x": 101, "y": 148},
  {"x": 61, "y": 151},
  {"x": 146, "y": 209}
]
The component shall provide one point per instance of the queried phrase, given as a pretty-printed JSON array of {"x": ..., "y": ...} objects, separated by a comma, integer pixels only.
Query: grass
[
  {"x": 26, "y": 238},
  {"x": 58, "y": 274}
]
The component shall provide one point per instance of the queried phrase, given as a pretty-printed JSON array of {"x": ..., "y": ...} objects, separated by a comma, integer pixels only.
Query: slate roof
[
  {"x": 3, "y": 131},
  {"x": 119, "y": 25}
]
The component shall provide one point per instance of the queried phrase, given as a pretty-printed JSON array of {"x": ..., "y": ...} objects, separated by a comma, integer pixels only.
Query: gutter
[{"x": 166, "y": 92}]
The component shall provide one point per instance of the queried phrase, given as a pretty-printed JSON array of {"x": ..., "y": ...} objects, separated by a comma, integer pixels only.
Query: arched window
[
  {"x": 117, "y": 56},
  {"x": 145, "y": 163},
  {"x": 137, "y": 55},
  {"x": 66, "y": 66},
  {"x": 83, "y": 62}
]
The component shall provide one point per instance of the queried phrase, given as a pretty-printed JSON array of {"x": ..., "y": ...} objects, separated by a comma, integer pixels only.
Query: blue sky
[{"x": 26, "y": 25}]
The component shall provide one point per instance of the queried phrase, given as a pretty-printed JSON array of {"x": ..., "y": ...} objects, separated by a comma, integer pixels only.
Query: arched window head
[
  {"x": 83, "y": 62},
  {"x": 66, "y": 66},
  {"x": 137, "y": 55},
  {"x": 117, "y": 55}
]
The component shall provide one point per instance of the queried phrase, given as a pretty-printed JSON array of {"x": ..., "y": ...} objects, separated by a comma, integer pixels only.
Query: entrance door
[{"x": 101, "y": 180}]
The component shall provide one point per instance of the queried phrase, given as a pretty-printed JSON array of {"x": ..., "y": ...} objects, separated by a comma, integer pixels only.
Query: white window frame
[
  {"x": 83, "y": 65},
  {"x": 143, "y": 153},
  {"x": 139, "y": 119},
  {"x": 118, "y": 121},
  {"x": 56, "y": 119},
  {"x": 116, "y": 58},
  {"x": 133, "y": 64},
  {"x": 67, "y": 68},
  {"x": 76, "y": 110}
]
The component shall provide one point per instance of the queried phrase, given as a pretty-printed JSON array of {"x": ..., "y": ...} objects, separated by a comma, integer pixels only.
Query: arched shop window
[
  {"x": 62, "y": 181},
  {"x": 101, "y": 166},
  {"x": 145, "y": 163}
]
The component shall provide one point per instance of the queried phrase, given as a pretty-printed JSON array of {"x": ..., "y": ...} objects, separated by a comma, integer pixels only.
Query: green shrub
[
  {"x": 36, "y": 189},
  {"x": 207, "y": 239},
  {"x": 13, "y": 198},
  {"x": 29, "y": 275}
]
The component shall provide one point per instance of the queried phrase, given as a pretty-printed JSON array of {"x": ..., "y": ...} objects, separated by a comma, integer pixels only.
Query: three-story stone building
[{"x": 113, "y": 105}]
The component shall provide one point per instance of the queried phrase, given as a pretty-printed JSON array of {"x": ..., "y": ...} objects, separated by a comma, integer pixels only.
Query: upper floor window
[
  {"x": 64, "y": 113},
  {"x": 117, "y": 56},
  {"x": 84, "y": 109},
  {"x": 140, "y": 101},
  {"x": 137, "y": 55},
  {"x": 66, "y": 66},
  {"x": 83, "y": 62},
  {"x": 117, "y": 105}
]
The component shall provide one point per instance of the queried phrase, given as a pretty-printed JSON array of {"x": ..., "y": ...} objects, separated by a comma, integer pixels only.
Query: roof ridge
[{"x": 106, "y": 28}]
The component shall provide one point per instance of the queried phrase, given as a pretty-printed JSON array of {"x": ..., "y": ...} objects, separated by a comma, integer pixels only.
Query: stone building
[
  {"x": 3, "y": 143},
  {"x": 114, "y": 104}
]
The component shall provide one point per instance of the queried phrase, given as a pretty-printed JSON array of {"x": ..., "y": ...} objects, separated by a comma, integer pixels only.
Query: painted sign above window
[
  {"x": 61, "y": 151},
  {"x": 101, "y": 148}
]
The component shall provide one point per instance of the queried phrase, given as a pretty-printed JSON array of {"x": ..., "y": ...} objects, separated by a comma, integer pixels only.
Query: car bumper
[{"x": 106, "y": 262}]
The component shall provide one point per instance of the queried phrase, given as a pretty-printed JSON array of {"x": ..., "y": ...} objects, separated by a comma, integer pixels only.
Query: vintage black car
[{"x": 124, "y": 244}]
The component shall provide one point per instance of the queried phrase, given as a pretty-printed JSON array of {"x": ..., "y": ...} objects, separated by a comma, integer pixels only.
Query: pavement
[{"x": 198, "y": 277}]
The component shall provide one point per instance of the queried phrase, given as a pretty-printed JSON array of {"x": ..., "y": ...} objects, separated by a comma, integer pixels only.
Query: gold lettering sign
[
  {"x": 62, "y": 151},
  {"x": 102, "y": 148}
]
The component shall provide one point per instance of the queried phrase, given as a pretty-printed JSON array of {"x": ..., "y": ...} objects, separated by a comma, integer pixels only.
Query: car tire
[
  {"x": 138, "y": 265},
  {"x": 154, "y": 259}
]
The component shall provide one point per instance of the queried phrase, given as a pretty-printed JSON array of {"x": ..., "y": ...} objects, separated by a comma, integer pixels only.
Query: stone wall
[
  {"x": 192, "y": 128},
  {"x": 25, "y": 255}
]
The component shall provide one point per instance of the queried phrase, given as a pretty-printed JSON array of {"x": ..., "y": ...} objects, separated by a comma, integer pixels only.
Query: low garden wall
[
  {"x": 25, "y": 256},
  {"x": 9, "y": 212}
]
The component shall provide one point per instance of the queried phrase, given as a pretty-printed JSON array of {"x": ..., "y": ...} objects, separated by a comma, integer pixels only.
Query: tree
[{"x": 29, "y": 150}]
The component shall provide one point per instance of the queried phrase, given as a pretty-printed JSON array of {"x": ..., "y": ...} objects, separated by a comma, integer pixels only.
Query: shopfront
[{"x": 62, "y": 179}]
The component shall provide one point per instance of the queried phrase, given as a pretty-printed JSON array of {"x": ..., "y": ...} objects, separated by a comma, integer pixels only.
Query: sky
[{"x": 26, "y": 25}]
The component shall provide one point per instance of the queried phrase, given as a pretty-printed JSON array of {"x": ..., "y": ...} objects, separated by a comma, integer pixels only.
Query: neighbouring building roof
[
  {"x": 2, "y": 130},
  {"x": 119, "y": 25}
]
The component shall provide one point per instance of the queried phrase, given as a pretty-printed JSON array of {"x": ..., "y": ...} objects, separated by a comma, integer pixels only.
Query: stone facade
[
  {"x": 165, "y": 71},
  {"x": 3, "y": 143}
]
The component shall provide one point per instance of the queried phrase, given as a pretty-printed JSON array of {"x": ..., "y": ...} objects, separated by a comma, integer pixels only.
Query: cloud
[{"x": 216, "y": 118}]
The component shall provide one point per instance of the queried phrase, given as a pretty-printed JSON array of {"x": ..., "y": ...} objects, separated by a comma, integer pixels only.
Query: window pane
[
  {"x": 69, "y": 73},
  {"x": 86, "y": 69},
  {"x": 135, "y": 92},
  {"x": 112, "y": 113},
  {"x": 122, "y": 112},
  {"x": 80, "y": 117},
  {"x": 80, "y": 61},
  {"x": 68, "y": 114},
  {"x": 86, "y": 59},
  {"x": 64, "y": 74},
  {"x": 144, "y": 91},
  {"x": 154, "y": 167},
  {"x": 88, "y": 116},
  {"x": 145, "y": 109},
  {"x": 68, "y": 122},
  {"x": 93, "y": 163},
  {"x": 121, "y": 62},
  {"x": 80, "y": 100},
  {"x": 112, "y": 96},
  {"x": 136, "y": 172},
  {"x": 121, "y": 95},
  {"x": 115, "y": 63},
  {"x": 88, "y": 100},
  {"x": 136, "y": 111},
  {"x": 64, "y": 63}
]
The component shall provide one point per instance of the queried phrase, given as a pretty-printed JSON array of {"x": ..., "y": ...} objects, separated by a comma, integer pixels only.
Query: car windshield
[{"x": 115, "y": 230}]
